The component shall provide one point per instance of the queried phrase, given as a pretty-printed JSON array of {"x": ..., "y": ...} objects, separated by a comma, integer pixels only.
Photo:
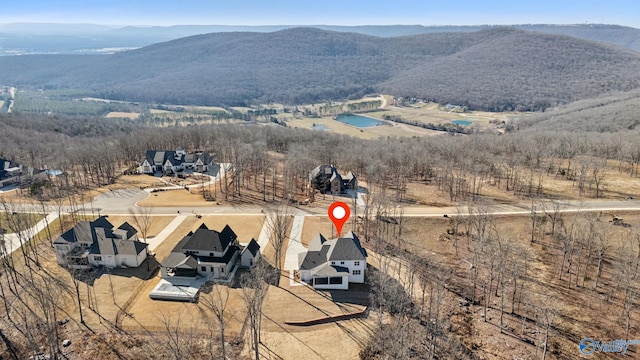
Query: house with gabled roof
[
  {"x": 97, "y": 243},
  {"x": 205, "y": 252},
  {"x": 250, "y": 254},
  {"x": 10, "y": 172},
  {"x": 202, "y": 255},
  {"x": 333, "y": 264},
  {"x": 175, "y": 161},
  {"x": 328, "y": 180}
]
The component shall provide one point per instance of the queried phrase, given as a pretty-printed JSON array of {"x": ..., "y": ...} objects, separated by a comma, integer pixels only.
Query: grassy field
[
  {"x": 434, "y": 113},
  {"x": 126, "y": 115},
  {"x": 374, "y": 132},
  {"x": 18, "y": 221}
]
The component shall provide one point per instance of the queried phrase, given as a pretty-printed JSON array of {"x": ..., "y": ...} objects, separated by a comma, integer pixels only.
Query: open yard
[
  {"x": 126, "y": 115},
  {"x": 390, "y": 129},
  {"x": 14, "y": 222}
]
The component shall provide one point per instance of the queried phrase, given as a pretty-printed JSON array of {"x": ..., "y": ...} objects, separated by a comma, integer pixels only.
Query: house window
[
  {"x": 97, "y": 258},
  {"x": 357, "y": 272},
  {"x": 333, "y": 263},
  {"x": 341, "y": 262},
  {"x": 222, "y": 270},
  {"x": 356, "y": 263},
  {"x": 203, "y": 268},
  {"x": 211, "y": 254},
  {"x": 212, "y": 269}
]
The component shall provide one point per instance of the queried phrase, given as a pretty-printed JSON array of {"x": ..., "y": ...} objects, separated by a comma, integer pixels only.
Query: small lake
[
  {"x": 359, "y": 121},
  {"x": 461, "y": 122}
]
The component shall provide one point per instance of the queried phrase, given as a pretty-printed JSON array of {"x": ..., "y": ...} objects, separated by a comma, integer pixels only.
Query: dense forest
[
  {"x": 87, "y": 38},
  {"x": 609, "y": 113},
  {"x": 493, "y": 69}
]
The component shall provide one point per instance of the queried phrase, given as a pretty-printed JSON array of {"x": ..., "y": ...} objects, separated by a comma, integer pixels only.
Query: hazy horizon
[{"x": 119, "y": 13}]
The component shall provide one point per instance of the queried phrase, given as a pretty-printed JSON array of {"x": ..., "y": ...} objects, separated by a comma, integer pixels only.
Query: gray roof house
[
  {"x": 213, "y": 253},
  {"x": 175, "y": 161},
  {"x": 200, "y": 256},
  {"x": 10, "y": 172},
  {"x": 328, "y": 180},
  {"x": 97, "y": 243},
  {"x": 333, "y": 264}
]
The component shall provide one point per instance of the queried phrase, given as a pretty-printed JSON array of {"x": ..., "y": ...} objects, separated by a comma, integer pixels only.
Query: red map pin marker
[{"x": 339, "y": 214}]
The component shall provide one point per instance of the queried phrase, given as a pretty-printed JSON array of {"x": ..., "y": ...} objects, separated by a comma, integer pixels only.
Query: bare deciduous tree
[
  {"x": 217, "y": 301},
  {"x": 279, "y": 222},
  {"x": 254, "y": 289}
]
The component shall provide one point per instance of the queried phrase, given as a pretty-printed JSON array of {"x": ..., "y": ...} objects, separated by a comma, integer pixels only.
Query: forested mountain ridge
[
  {"x": 495, "y": 69},
  {"x": 34, "y": 38}
]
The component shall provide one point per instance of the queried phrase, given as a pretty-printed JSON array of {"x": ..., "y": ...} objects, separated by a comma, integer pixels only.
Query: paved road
[
  {"x": 120, "y": 202},
  {"x": 12, "y": 242},
  {"x": 265, "y": 233},
  {"x": 294, "y": 247},
  {"x": 162, "y": 235}
]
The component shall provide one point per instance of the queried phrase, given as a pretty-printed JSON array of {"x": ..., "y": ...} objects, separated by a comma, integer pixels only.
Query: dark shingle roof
[
  {"x": 180, "y": 260},
  {"x": 253, "y": 247},
  {"x": 228, "y": 232},
  {"x": 129, "y": 229},
  {"x": 105, "y": 245},
  {"x": 218, "y": 259},
  {"x": 67, "y": 237},
  {"x": 347, "y": 249},
  {"x": 129, "y": 247},
  {"x": 314, "y": 259},
  {"x": 204, "y": 239},
  {"x": 332, "y": 270}
]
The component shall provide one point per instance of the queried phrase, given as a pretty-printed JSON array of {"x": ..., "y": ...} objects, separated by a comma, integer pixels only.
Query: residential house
[
  {"x": 172, "y": 162},
  {"x": 205, "y": 252},
  {"x": 201, "y": 256},
  {"x": 328, "y": 180},
  {"x": 333, "y": 264},
  {"x": 250, "y": 254},
  {"x": 97, "y": 243},
  {"x": 10, "y": 172}
]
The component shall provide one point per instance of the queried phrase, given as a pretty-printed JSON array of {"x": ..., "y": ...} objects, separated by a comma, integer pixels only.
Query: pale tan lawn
[{"x": 127, "y": 115}]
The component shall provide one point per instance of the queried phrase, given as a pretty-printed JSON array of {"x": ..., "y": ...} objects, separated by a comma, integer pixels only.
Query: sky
[{"x": 323, "y": 12}]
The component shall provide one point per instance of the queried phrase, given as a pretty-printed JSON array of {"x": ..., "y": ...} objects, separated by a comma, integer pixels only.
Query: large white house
[
  {"x": 97, "y": 243},
  {"x": 333, "y": 264},
  {"x": 175, "y": 161},
  {"x": 201, "y": 256}
]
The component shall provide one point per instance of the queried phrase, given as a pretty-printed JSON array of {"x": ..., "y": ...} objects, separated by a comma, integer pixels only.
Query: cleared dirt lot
[{"x": 336, "y": 340}]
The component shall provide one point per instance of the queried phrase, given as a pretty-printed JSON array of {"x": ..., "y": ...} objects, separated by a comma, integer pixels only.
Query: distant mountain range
[
  {"x": 498, "y": 68},
  {"x": 36, "y": 38}
]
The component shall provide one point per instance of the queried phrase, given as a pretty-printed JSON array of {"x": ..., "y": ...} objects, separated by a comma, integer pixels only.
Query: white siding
[
  {"x": 247, "y": 257},
  {"x": 343, "y": 286}
]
